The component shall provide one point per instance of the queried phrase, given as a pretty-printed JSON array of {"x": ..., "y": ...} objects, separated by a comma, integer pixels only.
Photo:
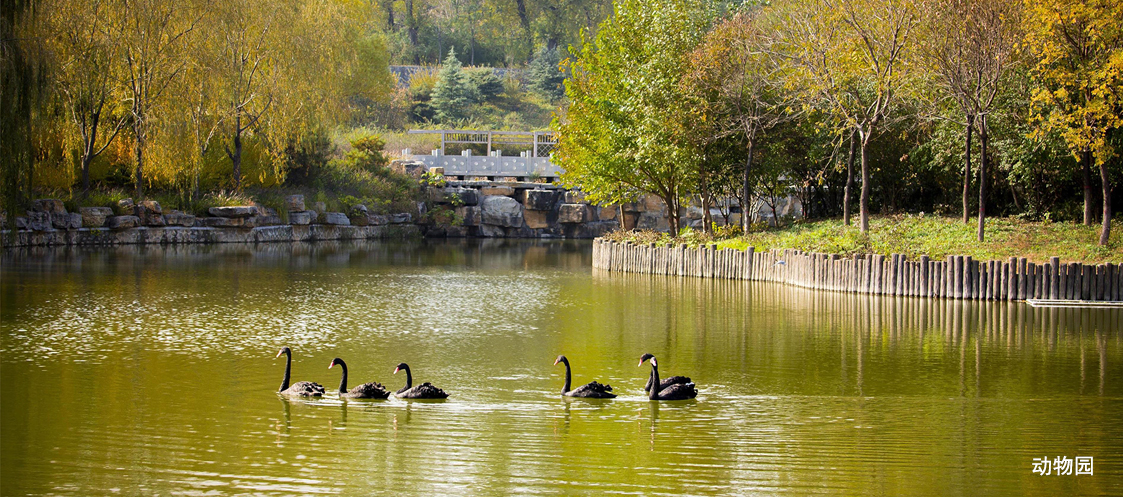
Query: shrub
[{"x": 486, "y": 83}]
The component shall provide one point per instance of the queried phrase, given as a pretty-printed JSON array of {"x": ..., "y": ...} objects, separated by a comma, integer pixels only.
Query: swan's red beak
[
  {"x": 282, "y": 351},
  {"x": 332, "y": 364},
  {"x": 555, "y": 362},
  {"x": 641, "y": 363},
  {"x": 396, "y": 370}
]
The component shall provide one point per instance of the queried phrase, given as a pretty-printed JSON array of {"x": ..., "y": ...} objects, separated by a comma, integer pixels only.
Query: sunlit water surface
[{"x": 151, "y": 370}]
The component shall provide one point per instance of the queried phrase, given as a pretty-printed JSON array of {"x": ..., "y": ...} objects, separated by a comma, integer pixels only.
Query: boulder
[
  {"x": 21, "y": 222},
  {"x": 652, "y": 221},
  {"x": 49, "y": 205},
  {"x": 607, "y": 213},
  {"x": 470, "y": 214},
  {"x": 223, "y": 222},
  {"x": 177, "y": 218},
  {"x": 651, "y": 203},
  {"x": 335, "y": 219},
  {"x": 233, "y": 211},
  {"x": 71, "y": 221},
  {"x": 38, "y": 221},
  {"x": 536, "y": 219},
  {"x": 500, "y": 210},
  {"x": 572, "y": 213},
  {"x": 122, "y": 222},
  {"x": 633, "y": 207},
  {"x": 692, "y": 213},
  {"x": 302, "y": 217},
  {"x": 125, "y": 206},
  {"x": 540, "y": 200},
  {"x": 489, "y": 231},
  {"x": 377, "y": 220},
  {"x": 497, "y": 190},
  {"x": 437, "y": 170},
  {"x": 359, "y": 210},
  {"x": 410, "y": 168},
  {"x": 630, "y": 219},
  {"x": 294, "y": 203},
  {"x": 359, "y": 220},
  {"x": 94, "y": 217},
  {"x": 467, "y": 196},
  {"x": 319, "y": 207},
  {"x": 575, "y": 197},
  {"x": 149, "y": 213},
  {"x": 259, "y": 221},
  {"x": 401, "y": 218}
]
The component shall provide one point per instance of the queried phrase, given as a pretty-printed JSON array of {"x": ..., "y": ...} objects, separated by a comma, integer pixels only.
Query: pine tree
[
  {"x": 453, "y": 94},
  {"x": 545, "y": 77}
]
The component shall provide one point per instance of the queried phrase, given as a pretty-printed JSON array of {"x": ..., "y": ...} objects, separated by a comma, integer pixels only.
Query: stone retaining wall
[{"x": 957, "y": 277}]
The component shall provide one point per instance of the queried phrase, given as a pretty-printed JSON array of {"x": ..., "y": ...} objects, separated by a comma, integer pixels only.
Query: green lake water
[{"x": 152, "y": 371}]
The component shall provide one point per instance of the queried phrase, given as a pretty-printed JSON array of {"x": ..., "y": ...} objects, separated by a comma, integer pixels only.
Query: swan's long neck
[
  {"x": 343, "y": 382},
  {"x": 654, "y": 393},
  {"x": 409, "y": 378},
  {"x": 568, "y": 377},
  {"x": 288, "y": 370}
]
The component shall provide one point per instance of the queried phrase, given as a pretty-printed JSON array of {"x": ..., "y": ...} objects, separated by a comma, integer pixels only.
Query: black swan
[
  {"x": 372, "y": 390},
  {"x": 423, "y": 391},
  {"x": 665, "y": 383},
  {"x": 301, "y": 388},
  {"x": 593, "y": 390},
  {"x": 676, "y": 391}
]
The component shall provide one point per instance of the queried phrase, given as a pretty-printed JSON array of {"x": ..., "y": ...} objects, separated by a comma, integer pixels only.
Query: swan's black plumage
[
  {"x": 676, "y": 391},
  {"x": 423, "y": 391},
  {"x": 666, "y": 383},
  {"x": 591, "y": 390},
  {"x": 300, "y": 388},
  {"x": 372, "y": 390}
]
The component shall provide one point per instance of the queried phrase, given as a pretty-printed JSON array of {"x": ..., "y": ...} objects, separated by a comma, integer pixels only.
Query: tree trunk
[
  {"x": 982, "y": 176},
  {"x": 524, "y": 21},
  {"x": 672, "y": 214},
  {"x": 1086, "y": 159},
  {"x": 139, "y": 131},
  {"x": 389, "y": 15},
  {"x": 849, "y": 181},
  {"x": 1105, "y": 228},
  {"x": 967, "y": 172},
  {"x": 746, "y": 190},
  {"x": 411, "y": 21},
  {"x": 236, "y": 157},
  {"x": 864, "y": 202}
]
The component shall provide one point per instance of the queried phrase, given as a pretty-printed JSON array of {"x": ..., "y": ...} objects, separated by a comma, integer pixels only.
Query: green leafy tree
[
  {"x": 453, "y": 94},
  {"x": 623, "y": 132}
]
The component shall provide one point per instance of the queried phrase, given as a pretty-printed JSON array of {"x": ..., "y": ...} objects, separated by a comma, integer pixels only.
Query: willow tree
[
  {"x": 622, "y": 131},
  {"x": 847, "y": 58},
  {"x": 1078, "y": 46},
  {"x": 153, "y": 37},
  {"x": 87, "y": 72}
]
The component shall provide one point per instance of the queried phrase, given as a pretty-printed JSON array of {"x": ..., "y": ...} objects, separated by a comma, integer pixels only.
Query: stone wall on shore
[
  {"x": 48, "y": 223},
  {"x": 957, "y": 277}
]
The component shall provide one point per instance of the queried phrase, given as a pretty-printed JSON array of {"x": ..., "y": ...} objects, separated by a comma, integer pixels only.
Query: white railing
[{"x": 533, "y": 161}]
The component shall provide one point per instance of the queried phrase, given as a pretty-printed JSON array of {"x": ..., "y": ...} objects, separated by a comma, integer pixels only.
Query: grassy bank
[{"x": 914, "y": 236}]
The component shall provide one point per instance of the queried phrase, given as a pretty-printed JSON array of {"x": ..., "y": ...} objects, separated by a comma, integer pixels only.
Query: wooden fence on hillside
[{"x": 956, "y": 277}]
